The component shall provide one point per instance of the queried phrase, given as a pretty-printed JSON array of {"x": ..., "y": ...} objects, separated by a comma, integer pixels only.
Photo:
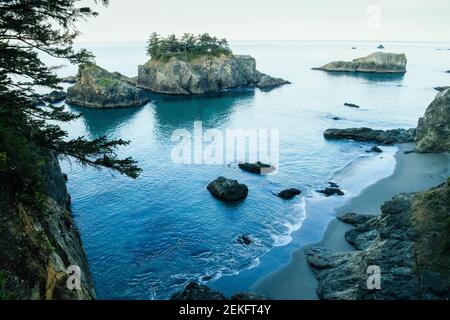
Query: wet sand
[{"x": 413, "y": 172}]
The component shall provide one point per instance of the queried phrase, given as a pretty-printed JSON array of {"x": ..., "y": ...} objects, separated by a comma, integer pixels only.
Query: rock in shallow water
[
  {"x": 332, "y": 191},
  {"x": 289, "y": 193},
  {"x": 351, "y": 105},
  {"x": 258, "y": 167},
  {"x": 228, "y": 190},
  {"x": 371, "y": 135},
  {"x": 245, "y": 239},
  {"x": 54, "y": 96},
  {"x": 377, "y": 62}
]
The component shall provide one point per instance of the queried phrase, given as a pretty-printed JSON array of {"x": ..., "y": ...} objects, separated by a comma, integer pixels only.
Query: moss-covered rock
[{"x": 98, "y": 88}]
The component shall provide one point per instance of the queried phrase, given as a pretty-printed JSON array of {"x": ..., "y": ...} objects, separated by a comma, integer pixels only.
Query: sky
[{"x": 382, "y": 20}]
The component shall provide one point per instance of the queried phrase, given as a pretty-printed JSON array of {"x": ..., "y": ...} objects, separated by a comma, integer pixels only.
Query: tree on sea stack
[
  {"x": 186, "y": 47},
  {"x": 29, "y": 29}
]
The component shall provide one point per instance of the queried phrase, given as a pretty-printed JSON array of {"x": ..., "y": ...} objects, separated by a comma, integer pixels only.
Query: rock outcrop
[
  {"x": 98, "y": 88},
  {"x": 378, "y": 62},
  {"x": 409, "y": 243},
  {"x": 370, "y": 135},
  {"x": 204, "y": 74},
  {"x": 228, "y": 190},
  {"x": 443, "y": 88},
  {"x": 433, "y": 130},
  {"x": 39, "y": 242},
  {"x": 195, "y": 291},
  {"x": 54, "y": 96}
]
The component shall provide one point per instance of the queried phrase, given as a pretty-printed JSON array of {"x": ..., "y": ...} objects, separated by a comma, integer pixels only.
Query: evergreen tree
[{"x": 28, "y": 29}]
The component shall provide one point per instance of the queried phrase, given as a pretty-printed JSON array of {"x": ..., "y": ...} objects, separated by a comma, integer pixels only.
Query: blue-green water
[{"x": 147, "y": 238}]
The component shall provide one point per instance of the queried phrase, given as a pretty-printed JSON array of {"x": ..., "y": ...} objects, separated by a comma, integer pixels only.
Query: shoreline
[{"x": 413, "y": 172}]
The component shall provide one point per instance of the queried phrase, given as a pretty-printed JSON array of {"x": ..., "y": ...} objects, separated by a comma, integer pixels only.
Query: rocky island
[
  {"x": 378, "y": 62},
  {"x": 98, "y": 88},
  {"x": 197, "y": 65}
]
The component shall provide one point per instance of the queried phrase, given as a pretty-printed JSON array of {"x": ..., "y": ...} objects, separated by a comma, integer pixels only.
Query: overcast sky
[{"x": 407, "y": 20}]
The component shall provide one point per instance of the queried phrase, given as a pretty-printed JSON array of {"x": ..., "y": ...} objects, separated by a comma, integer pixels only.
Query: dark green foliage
[
  {"x": 187, "y": 47},
  {"x": 28, "y": 29}
]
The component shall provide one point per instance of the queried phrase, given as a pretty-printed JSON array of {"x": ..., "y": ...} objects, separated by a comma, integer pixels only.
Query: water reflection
[{"x": 370, "y": 77}]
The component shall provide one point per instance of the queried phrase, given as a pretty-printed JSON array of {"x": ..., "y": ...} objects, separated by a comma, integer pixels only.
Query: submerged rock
[
  {"x": 370, "y": 135},
  {"x": 409, "y": 243},
  {"x": 289, "y": 193},
  {"x": 245, "y": 239},
  {"x": 54, "y": 96},
  {"x": 227, "y": 190},
  {"x": 352, "y": 105},
  {"x": 98, "y": 88},
  {"x": 377, "y": 62},
  {"x": 433, "y": 130},
  {"x": 203, "y": 74},
  {"x": 258, "y": 167}
]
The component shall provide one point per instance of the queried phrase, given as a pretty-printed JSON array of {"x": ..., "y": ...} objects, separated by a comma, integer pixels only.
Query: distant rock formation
[
  {"x": 203, "y": 74},
  {"x": 69, "y": 79},
  {"x": 380, "y": 46},
  {"x": 370, "y": 135},
  {"x": 195, "y": 291},
  {"x": 433, "y": 130},
  {"x": 409, "y": 243},
  {"x": 378, "y": 62},
  {"x": 98, "y": 88},
  {"x": 227, "y": 190},
  {"x": 351, "y": 105},
  {"x": 54, "y": 96}
]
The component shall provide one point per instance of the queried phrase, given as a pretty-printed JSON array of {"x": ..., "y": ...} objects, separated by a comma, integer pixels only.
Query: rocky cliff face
[
  {"x": 38, "y": 243},
  {"x": 409, "y": 242},
  {"x": 98, "y": 88},
  {"x": 433, "y": 130},
  {"x": 378, "y": 62},
  {"x": 204, "y": 74}
]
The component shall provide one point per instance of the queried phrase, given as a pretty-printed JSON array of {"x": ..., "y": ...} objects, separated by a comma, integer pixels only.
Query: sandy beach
[{"x": 413, "y": 172}]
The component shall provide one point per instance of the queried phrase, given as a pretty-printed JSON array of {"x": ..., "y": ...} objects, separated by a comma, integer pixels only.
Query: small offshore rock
[
  {"x": 227, "y": 190},
  {"x": 332, "y": 191},
  {"x": 257, "y": 168},
  {"x": 289, "y": 193},
  {"x": 380, "y": 46},
  {"x": 54, "y": 96},
  {"x": 376, "y": 149},
  {"x": 351, "y": 105},
  {"x": 69, "y": 79}
]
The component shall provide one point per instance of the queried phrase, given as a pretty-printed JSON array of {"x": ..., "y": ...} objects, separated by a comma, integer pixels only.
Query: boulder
[
  {"x": 331, "y": 191},
  {"x": 433, "y": 130},
  {"x": 370, "y": 135},
  {"x": 257, "y": 168},
  {"x": 352, "y": 105},
  {"x": 227, "y": 190},
  {"x": 98, "y": 88},
  {"x": 377, "y": 62},
  {"x": 203, "y": 74},
  {"x": 54, "y": 96},
  {"x": 289, "y": 193},
  {"x": 375, "y": 149}
]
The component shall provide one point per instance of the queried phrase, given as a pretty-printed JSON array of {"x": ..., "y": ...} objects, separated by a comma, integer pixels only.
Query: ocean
[{"x": 147, "y": 238}]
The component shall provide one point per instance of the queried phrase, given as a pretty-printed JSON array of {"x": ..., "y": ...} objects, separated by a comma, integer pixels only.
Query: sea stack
[
  {"x": 378, "y": 62},
  {"x": 433, "y": 130},
  {"x": 98, "y": 88}
]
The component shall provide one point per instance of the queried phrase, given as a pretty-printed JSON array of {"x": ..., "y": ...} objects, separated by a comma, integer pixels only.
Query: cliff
[
  {"x": 378, "y": 62},
  {"x": 98, "y": 88},
  {"x": 433, "y": 130},
  {"x": 39, "y": 241},
  {"x": 409, "y": 242},
  {"x": 203, "y": 74}
]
